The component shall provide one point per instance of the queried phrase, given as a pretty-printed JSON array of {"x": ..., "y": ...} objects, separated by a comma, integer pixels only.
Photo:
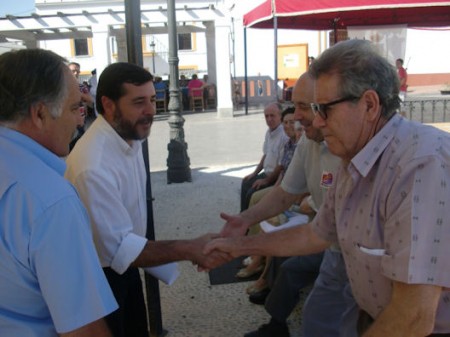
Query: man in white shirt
[
  {"x": 107, "y": 168},
  {"x": 272, "y": 150}
]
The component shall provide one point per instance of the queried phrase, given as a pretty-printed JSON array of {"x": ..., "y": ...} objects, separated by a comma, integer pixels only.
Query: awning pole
[
  {"x": 245, "y": 71},
  {"x": 275, "y": 42}
]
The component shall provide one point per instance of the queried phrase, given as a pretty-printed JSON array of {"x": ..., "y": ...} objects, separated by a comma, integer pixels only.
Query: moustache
[{"x": 145, "y": 120}]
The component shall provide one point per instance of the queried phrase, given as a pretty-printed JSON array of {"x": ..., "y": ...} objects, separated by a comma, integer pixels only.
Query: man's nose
[
  {"x": 150, "y": 109},
  {"x": 318, "y": 122}
]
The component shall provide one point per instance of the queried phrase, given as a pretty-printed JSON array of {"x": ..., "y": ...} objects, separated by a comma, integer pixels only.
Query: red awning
[{"x": 325, "y": 15}]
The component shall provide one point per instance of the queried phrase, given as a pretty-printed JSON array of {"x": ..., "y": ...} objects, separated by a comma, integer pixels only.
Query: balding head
[
  {"x": 272, "y": 113},
  {"x": 302, "y": 97}
]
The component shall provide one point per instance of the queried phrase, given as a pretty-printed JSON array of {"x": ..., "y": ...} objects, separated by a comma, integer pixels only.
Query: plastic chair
[
  {"x": 211, "y": 97},
  {"x": 196, "y": 98},
  {"x": 161, "y": 101}
]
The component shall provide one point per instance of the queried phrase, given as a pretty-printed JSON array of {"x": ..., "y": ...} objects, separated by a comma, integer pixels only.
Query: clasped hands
[{"x": 213, "y": 250}]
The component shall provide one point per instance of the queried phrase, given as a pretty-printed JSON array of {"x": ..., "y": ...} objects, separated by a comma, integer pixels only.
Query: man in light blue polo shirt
[{"x": 52, "y": 283}]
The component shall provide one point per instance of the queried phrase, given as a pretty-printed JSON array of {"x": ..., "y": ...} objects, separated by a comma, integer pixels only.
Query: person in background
[
  {"x": 107, "y": 169},
  {"x": 52, "y": 283},
  {"x": 184, "y": 92},
  {"x": 92, "y": 83},
  {"x": 274, "y": 141},
  {"x": 195, "y": 83},
  {"x": 209, "y": 92},
  {"x": 183, "y": 81},
  {"x": 195, "y": 92},
  {"x": 403, "y": 77},
  {"x": 388, "y": 208},
  {"x": 256, "y": 263},
  {"x": 86, "y": 97},
  {"x": 86, "y": 105},
  {"x": 160, "y": 87}
]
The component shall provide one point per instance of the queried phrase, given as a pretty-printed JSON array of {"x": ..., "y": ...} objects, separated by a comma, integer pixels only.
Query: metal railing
[{"x": 428, "y": 110}]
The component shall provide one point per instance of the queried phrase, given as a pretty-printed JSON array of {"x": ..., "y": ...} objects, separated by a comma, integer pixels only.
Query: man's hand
[
  {"x": 227, "y": 246},
  {"x": 206, "y": 262},
  {"x": 260, "y": 183},
  {"x": 249, "y": 176},
  {"x": 235, "y": 225}
]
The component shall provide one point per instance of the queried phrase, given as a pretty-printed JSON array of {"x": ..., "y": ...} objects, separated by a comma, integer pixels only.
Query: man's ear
[
  {"x": 39, "y": 114},
  {"x": 372, "y": 102},
  {"x": 109, "y": 107}
]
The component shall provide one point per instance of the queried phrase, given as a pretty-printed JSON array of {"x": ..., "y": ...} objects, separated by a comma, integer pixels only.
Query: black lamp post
[{"x": 178, "y": 170}]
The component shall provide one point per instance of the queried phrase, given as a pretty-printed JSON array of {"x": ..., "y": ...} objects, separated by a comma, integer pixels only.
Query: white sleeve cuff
[{"x": 130, "y": 248}]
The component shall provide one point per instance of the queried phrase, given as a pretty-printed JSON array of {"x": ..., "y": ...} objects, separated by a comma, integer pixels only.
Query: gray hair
[
  {"x": 360, "y": 68},
  {"x": 30, "y": 76}
]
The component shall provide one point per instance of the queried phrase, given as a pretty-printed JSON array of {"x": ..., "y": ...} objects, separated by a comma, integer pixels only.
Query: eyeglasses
[{"x": 321, "y": 109}]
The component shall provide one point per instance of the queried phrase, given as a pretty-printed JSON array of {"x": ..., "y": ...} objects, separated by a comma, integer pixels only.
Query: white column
[
  {"x": 101, "y": 47},
  {"x": 223, "y": 73},
  {"x": 210, "y": 35}
]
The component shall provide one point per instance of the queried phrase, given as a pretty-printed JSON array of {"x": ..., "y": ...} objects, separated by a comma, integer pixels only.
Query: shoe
[
  {"x": 255, "y": 288},
  {"x": 259, "y": 297},
  {"x": 272, "y": 329},
  {"x": 245, "y": 273}
]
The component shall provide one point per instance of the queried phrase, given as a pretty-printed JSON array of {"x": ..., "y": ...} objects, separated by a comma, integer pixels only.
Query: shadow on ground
[{"x": 191, "y": 307}]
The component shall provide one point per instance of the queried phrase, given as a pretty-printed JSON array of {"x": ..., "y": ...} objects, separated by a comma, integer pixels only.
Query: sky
[{"x": 17, "y": 8}]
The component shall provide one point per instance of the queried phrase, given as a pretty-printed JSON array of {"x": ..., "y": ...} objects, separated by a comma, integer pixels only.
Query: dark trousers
[
  {"x": 365, "y": 321},
  {"x": 130, "y": 320},
  {"x": 294, "y": 274},
  {"x": 247, "y": 190}
]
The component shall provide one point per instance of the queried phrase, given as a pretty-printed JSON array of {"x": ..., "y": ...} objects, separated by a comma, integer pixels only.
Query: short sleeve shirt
[
  {"x": 389, "y": 211},
  {"x": 273, "y": 148},
  {"x": 312, "y": 169},
  {"x": 51, "y": 279}
]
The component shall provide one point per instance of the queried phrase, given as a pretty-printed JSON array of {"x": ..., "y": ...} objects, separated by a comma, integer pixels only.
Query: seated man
[
  {"x": 160, "y": 88},
  {"x": 184, "y": 91},
  {"x": 287, "y": 118},
  {"x": 272, "y": 150}
]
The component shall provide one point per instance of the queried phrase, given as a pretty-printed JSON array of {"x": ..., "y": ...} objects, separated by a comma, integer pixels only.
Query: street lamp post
[
  {"x": 152, "y": 45},
  {"x": 178, "y": 170}
]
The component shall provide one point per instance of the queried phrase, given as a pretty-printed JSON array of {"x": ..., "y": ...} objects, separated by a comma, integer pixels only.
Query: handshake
[{"x": 209, "y": 251}]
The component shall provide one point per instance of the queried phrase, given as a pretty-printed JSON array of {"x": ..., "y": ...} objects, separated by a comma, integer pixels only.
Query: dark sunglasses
[{"x": 321, "y": 109}]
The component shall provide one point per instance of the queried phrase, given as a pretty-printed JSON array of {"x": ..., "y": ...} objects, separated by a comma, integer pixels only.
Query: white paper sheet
[
  {"x": 166, "y": 273},
  {"x": 299, "y": 219}
]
